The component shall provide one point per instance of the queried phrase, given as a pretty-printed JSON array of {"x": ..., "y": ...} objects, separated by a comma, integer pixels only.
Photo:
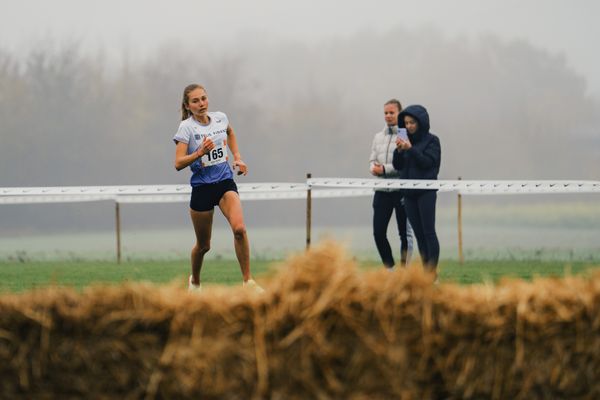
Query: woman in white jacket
[{"x": 386, "y": 201}]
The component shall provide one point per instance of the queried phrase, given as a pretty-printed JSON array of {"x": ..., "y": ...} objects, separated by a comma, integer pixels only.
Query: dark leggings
[
  {"x": 384, "y": 203},
  {"x": 421, "y": 214}
]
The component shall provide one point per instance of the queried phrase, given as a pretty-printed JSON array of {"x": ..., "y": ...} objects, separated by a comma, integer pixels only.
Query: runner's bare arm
[
  {"x": 232, "y": 143},
  {"x": 182, "y": 159}
]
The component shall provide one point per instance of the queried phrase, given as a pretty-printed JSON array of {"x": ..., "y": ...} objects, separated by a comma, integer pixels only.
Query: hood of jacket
[{"x": 420, "y": 114}]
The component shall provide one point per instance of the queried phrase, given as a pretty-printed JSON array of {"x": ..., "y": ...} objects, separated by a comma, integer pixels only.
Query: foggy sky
[
  {"x": 135, "y": 28},
  {"x": 288, "y": 74}
]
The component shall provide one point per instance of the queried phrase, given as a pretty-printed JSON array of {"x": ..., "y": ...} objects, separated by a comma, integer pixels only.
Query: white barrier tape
[
  {"x": 272, "y": 187},
  {"x": 140, "y": 190},
  {"x": 94, "y": 190},
  {"x": 53, "y": 199},
  {"x": 245, "y": 196},
  {"x": 321, "y": 188},
  {"x": 252, "y": 195},
  {"x": 165, "y": 193},
  {"x": 318, "y": 194},
  {"x": 463, "y": 186},
  {"x": 149, "y": 198},
  {"x": 378, "y": 183}
]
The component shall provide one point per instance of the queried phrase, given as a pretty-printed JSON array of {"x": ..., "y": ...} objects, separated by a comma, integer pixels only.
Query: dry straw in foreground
[{"x": 321, "y": 331}]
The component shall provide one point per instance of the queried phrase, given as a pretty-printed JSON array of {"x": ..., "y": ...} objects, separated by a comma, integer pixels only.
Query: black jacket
[{"x": 422, "y": 160}]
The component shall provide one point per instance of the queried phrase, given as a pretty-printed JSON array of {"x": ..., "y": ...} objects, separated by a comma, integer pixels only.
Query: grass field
[{"x": 19, "y": 276}]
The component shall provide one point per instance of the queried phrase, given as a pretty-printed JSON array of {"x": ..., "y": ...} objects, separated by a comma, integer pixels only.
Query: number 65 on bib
[{"x": 216, "y": 156}]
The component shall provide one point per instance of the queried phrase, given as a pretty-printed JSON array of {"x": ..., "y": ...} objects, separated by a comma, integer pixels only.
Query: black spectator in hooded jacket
[{"x": 419, "y": 158}]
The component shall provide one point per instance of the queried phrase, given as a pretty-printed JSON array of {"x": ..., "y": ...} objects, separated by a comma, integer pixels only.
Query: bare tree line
[{"x": 502, "y": 110}]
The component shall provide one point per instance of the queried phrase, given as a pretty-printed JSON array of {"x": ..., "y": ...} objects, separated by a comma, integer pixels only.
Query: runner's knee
[
  {"x": 202, "y": 248},
  {"x": 239, "y": 231}
]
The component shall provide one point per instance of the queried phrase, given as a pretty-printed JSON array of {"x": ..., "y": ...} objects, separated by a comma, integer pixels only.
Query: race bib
[{"x": 216, "y": 156}]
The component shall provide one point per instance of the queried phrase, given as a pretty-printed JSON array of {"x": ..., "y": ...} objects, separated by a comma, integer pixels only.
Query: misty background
[{"x": 90, "y": 95}]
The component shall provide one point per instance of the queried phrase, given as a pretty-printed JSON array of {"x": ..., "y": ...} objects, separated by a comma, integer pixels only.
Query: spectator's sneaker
[
  {"x": 192, "y": 287},
  {"x": 251, "y": 284}
]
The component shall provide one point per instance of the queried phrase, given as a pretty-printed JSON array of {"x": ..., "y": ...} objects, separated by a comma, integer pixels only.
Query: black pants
[
  {"x": 420, "y": 210},
  {"x": 384, "y": 203}
]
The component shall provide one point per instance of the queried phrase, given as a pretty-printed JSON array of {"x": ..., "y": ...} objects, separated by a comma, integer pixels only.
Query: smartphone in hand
[{"x": 402, "y": 134}]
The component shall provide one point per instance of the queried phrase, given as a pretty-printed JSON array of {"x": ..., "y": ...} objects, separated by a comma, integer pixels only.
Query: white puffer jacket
[{"x": 382, "y": 151}]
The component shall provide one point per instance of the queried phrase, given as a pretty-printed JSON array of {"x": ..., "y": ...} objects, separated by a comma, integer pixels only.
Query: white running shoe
[
  {"x": 192, "y": 287},
  {"x": 251, "y": 284}
]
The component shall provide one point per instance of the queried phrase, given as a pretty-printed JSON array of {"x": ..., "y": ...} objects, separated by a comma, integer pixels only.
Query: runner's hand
[
  {"x": 241, "y": 166},
  {"x": 207, "y": 145}
]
